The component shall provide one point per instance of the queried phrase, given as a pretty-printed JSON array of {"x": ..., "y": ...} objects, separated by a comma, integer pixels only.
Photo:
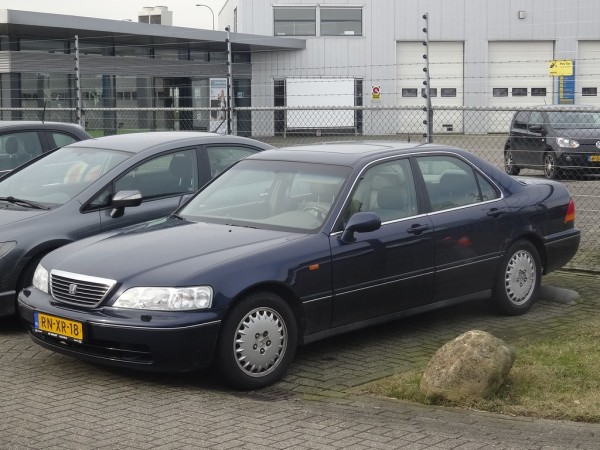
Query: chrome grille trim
[{"x": 77, "y": 289}]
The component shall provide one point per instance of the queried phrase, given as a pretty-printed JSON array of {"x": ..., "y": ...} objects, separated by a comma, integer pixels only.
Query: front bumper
[
  {"x": 143, "y": 340},
  {"x": 579, "y": 160}
]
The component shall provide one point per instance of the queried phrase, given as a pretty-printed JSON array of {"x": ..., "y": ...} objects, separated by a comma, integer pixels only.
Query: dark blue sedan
[{"x": 294, "y": 245}]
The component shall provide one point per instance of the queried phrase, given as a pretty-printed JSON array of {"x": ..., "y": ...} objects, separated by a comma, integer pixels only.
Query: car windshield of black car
[
  {"x": 574, "y": 119},
  {"x": 61, "y": 175},
  {"x": 270, "y": 194}
]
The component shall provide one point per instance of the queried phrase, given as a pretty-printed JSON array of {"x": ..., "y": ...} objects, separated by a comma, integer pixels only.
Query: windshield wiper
[
  {"x": 240, "y": 225},
  {"x": 23, "y": 202}
]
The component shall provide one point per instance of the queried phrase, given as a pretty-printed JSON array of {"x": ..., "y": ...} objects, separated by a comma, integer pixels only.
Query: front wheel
[
  {"x": 551, "y": 169},
  {"x": 518, "y": 281},
  {"x": 257, "y": 342},
  {"x": 509, "y": 163}
]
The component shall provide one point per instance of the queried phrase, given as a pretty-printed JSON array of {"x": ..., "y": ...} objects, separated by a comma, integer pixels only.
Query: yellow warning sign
[{"x": 561, "y": 68}]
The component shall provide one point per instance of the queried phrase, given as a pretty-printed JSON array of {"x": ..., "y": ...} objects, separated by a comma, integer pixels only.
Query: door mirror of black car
[
  {"x": 536, "y": 128},
  {"x": 361, "y": 222},
  {"x": 124, "y": 199}
]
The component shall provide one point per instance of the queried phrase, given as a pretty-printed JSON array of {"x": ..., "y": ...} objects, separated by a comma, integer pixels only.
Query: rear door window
[
  {"x": 171, "y": 174},
  {"x": 18, "y": 148},
  {"x": 60, "y": 139}
]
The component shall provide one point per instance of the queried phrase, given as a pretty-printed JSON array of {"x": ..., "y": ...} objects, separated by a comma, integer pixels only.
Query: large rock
[{"x": 471, "y": 367}]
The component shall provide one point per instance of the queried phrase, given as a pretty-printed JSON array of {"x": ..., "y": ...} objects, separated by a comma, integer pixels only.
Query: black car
[
  {"x": 84, "y": 189},
  {"x": 294, "y": 245},
  {"x": 21, "y": 141},
  {"x": 556, "y": 141}
]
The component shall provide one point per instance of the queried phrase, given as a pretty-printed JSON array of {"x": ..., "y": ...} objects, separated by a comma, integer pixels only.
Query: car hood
[
  {"x": 164, "y": 253},
  {"x": 11, "y": 214}
]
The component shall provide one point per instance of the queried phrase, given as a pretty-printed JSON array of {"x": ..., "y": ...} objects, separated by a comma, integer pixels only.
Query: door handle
[
  {"x": 417, "y": 229},
  {"x": 495, "y": 212}
]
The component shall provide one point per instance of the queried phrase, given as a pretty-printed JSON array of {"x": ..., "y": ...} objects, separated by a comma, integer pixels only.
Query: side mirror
[
  {"x": 361, "y": 222},
  {"x": 537, "y": 128},
  {"x": 124, "y": 199}
]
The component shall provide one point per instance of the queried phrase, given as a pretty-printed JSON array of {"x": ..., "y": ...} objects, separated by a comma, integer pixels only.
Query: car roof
[
  {"x": 561, "y": 108},
  {"x": 348, "y": 152},
  {"x": 138, "y": 142},
  {"x": 34, "y": 124}
]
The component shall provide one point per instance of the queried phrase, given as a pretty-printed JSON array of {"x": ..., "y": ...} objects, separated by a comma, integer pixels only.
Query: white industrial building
[
  {"x": 356, "y": 57},
  {"x": 492, "y": 53}
]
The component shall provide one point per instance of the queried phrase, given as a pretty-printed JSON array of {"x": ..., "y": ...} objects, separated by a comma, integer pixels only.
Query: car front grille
[{"x": 79, "y": 290}]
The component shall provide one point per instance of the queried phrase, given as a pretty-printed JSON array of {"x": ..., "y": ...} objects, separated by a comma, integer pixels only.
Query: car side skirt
[{"x": 399, "y": 315}]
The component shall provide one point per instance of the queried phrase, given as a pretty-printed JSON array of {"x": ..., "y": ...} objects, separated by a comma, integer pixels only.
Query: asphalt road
[{"x": 53, "y": 401}]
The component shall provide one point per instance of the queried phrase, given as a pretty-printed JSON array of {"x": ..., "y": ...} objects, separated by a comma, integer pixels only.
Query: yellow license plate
[
  {"x": 56, "y": 326},
  {"x": 594, "y": 158}
]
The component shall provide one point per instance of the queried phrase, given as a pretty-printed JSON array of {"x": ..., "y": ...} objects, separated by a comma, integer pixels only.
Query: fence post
[
  {"x": 229, "y": 82},
  {"x": 78, "y": 109},
  {"x": 427, "y": 83}
]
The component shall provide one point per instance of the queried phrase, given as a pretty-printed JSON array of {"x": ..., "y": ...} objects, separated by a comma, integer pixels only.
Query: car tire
[
  {"x": 551, "y": 169},
  {"x": 509, "y": 163},
  {"x": 257, "y": 342},
  {"x": 518, "y": 282}
]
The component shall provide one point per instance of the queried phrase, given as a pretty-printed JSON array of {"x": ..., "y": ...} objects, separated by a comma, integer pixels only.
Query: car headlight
[
  {"x": 6, "y": 247},
  {"x": 40, "y": 278},
  {"x": 567, "y": 143},
  {"x": 166, "y": 298}
]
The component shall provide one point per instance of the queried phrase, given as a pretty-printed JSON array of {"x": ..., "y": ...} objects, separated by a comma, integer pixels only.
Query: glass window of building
[
  {"x": 93, "y": 47},
  {"x": 538, "y": 92},
  {"x": 166, "y": 53},
  {"x": 198, "y": 55},
  {"x": 589, "y": 91},
  {"x": 295, "y": 21},
  {"x": 341, "y": 22},
  {"x": 218, "y": 57},
  {"x": 44, "y": 45},
  {"x": 133, "y": 51},
  {"x": 448, "y": 92}
]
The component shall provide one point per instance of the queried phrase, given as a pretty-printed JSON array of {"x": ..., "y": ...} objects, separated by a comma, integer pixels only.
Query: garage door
[
  {"x": 587, "y": 68},
  {"x": 518, "y": 76},
  {"x": 446, "y": 72}
]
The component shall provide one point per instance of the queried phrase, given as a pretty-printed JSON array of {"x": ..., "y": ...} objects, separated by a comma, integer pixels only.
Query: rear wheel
[
  {"x": 551, "y": 169},
  {"x": 509, "y": 163},
  {"x": 257, "y": 342},
  {"x": 518, "y": 281}
]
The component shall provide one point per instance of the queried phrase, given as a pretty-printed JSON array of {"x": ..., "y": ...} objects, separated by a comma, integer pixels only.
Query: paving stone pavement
[{"x": 53, "y": 401}]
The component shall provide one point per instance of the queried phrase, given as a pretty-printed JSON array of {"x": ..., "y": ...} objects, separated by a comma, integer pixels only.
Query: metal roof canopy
[{"x": 123, "y": 32}]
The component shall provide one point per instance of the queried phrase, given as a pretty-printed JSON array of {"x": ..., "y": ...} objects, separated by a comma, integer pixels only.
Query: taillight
[{"x": 570, "y": 216}]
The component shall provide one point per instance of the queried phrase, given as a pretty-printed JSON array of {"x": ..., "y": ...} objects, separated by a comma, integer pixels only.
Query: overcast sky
[{"x": 185, "y": 12}]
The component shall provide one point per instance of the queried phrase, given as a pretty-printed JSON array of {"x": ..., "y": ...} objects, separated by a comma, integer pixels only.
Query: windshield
[
  {"x": 61, "y": 175},
  {"x": 574, "y": 119},
  {"x": 270, "y": 194}
]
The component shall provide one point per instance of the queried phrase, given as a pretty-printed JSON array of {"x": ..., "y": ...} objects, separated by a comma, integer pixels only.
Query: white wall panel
[{"x": 587, "y": 70}]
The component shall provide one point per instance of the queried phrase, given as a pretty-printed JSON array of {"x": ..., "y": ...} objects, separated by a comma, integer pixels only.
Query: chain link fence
[{"x": 483, "y": 131}]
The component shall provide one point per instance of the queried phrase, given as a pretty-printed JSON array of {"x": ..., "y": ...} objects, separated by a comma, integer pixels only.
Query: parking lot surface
[{"x": 53, "y": 401}]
